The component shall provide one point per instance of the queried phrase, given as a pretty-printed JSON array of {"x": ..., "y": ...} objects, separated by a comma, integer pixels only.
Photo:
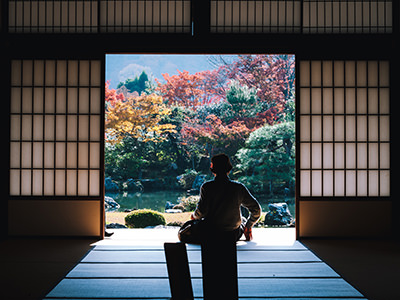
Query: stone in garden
[
  {"x": 169, "y": 205},
  {"x": 110, "y": 204},
  {"x": 278, "y": 215},
  {"x": 110, "y": 185},
  {"x": 115, "y": 226},
  {"x": 133, "y": 185},
  {"x": 173, "y": 211},
  {"x": 198, "y": 181}
]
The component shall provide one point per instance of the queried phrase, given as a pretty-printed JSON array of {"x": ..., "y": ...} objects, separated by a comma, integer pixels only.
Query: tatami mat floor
[{"x": 131, "y": 265}]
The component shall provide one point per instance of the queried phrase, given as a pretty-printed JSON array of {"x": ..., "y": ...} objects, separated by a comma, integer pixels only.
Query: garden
[{"x": 162, "y": 132}]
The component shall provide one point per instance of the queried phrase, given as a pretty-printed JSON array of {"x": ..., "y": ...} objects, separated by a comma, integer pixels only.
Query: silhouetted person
[
  {"x": 220, "y": 201},
  {"x": 219, "y": 206}
]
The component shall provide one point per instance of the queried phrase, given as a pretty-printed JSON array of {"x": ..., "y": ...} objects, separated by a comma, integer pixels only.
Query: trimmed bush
[
  {"x": 144, "y": 217},
  {"x": 175, "y": 223}
]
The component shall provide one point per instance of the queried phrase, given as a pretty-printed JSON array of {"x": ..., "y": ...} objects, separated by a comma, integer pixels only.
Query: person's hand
[{"x": 248, "y": 234}]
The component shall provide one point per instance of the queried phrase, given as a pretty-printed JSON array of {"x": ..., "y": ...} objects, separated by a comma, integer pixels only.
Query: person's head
[{"x": 220, "y": 164}]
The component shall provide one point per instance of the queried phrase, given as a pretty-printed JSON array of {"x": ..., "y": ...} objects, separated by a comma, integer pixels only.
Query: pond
[{"x": 156, "y": 200}]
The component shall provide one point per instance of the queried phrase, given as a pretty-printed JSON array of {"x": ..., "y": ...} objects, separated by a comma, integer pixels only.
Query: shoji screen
[
  {"x": 53, "y": 16},
  {"x": 264, "y": 16},
  {"x": 92, "y": 16},
  {"x": 344, "y": 136},
  {"x": 344, "y": 128},
  {"x": 145, "y": 16},
  {"x": 56, "y": 132},
  {"x": 357, "y": 16},
  {"x": 301, "y": 16}
]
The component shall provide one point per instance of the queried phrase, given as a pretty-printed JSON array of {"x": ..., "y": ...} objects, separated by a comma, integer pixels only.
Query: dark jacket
[{"x": 220, "y": 201}]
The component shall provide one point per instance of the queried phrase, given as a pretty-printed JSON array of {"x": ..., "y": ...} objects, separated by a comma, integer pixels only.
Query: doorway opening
[{"x": 166, "y": 115}]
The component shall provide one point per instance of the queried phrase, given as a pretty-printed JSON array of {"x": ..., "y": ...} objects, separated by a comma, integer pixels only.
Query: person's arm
[
  {"x": 200, "y": 209},
  {"x": 253, "y": 206}
]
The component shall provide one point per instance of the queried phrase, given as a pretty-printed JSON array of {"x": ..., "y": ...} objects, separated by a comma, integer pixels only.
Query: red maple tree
[
  {"x": 216, "y": 135},
  {"x": 111, "y": 95},
  {"x": 272, "y": 75},
  {"x": 191, "y": 90}
]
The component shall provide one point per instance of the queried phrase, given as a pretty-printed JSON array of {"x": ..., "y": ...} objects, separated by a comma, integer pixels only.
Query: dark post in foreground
[
  {"x": 219, "y": 265},
  {"x": 178, "y": 271}
]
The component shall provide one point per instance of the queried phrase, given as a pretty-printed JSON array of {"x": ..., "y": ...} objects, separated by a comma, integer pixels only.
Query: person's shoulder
[
  {"x": 234, "y": 181},
  {"x": 212, "y": 181},
  {"x": 239, "y": 186},
  {"x": 237, "y": 183},
  {"x": 208, "y": 183}
]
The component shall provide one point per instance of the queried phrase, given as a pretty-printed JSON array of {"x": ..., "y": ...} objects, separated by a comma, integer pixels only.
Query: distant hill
[{"x": 119, "y": 67}]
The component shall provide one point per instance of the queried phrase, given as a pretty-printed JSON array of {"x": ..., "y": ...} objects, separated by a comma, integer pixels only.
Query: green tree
[
  {"x": 242, "y": 99},
  {"x": 137, "y": 84},
  {"x": 133, "y": 158},
  {"x": 126, "y": 159},
  {"x": 267, "y": 162}
]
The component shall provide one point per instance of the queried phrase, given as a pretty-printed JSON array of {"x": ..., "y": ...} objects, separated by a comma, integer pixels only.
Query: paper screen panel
[
  {"x": 55, "y": 135},
  {"x": 344, "y": 110}
]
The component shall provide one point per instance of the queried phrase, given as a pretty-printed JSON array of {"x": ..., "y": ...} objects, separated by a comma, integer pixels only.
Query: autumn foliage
[
  {"x": 190, "y": 90},
  {"x": 215, "y": 134},
  {"x": 198, "y": 114},
  {"x": 138, "y": 117}
]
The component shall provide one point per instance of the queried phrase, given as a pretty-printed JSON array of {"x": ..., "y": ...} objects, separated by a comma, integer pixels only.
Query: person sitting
[{"x": 221, "y": 199}]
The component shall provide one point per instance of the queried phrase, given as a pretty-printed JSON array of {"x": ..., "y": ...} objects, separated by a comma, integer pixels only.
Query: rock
[
  {"x": 197, "y": 183},
  {"x": 110, "y": 204},
  {"x": 115, "y": 226},
  {"x": 110, "y": 185},
  {"x": 278, "y": 215},
  {"x": 133, "y": 185},
  {"x": 169, "y": 205},
  {"x": 173, "y": 211},
  {"x": 179, "y": 206},
  {"x": 186, "y": 180}
]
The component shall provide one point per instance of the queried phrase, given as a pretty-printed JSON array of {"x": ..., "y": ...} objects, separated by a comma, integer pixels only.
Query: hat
[{"x": 220, "y": 164}]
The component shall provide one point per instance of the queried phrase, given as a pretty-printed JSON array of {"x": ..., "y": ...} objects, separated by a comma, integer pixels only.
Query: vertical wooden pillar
[
  {"x": 219, "y": 265},
  {"x": 201, "y": 10},
  {"x": 178, "y": 271}
]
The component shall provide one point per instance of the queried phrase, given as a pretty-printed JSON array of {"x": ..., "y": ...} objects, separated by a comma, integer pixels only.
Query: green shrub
[
  {"x": 144, "y": 217},
  {"x": 175, "y": 223},
  {"x": 189, "y": 203}
]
